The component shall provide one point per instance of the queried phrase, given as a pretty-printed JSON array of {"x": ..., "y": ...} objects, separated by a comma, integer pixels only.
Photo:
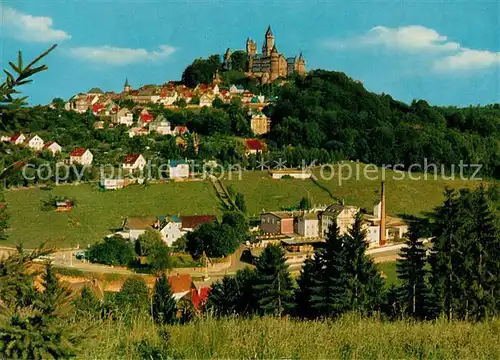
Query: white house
[
  {"x": 178, "y": 169},
  {"x": 206, "y": 100},
  {"x": 236, "y": 89},
  {"x": 308, "y": 224},
  {"x": 293, "y": 173},
  {"x": 161, "y": 126},
  {"x": 81, "y": 156},
  {"x": 134, "y": 161},
  {"x": 5, "y": 137},
  {"x": 137, "y": 131},
  {"x": 124, "y": 116},
  {"x": 344, "y": 216},
  {"x": 35, "y": 142},
  {"x": 18, "y": 139},
  {"x": 53, "y": 147}
]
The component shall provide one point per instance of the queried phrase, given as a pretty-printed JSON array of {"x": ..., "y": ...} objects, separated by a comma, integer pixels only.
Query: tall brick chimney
[{"x": 382, "y": 239}]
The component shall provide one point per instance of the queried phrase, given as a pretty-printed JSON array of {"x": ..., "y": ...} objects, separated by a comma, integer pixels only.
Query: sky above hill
[{"x": 446, "y": 52}]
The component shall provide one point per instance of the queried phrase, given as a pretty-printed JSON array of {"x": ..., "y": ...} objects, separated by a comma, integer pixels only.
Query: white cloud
[
  {"x": 468, "y": 59},
  {"x": 30, "y": 28},
  {"x": 119, "y": 56},
  {"x": 405, "y": 38},
  {"x": 443, "y": 55}
]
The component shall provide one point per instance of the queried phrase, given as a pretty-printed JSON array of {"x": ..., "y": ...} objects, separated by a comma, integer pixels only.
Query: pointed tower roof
[
  {"x": 126, "y": 82},
  {"x": 269, "y": 32},
  {"x": 301, "y": 57}
]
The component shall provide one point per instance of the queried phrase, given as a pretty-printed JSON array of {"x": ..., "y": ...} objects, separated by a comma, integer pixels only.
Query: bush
[{"x": 115, "y": 250}]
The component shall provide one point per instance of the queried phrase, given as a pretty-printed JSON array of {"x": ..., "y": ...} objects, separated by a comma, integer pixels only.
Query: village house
[
  {"x": 4, "y": 137},
  {"x": 181, "y": 285},
  {"x": 173, "y": 228},
  {"x": 206, "y": 100},
  {"x": 277, "y": 222},
  {"x": 18, "y": 139},
  {"x": 178, "y": 169},
  {"x": 168, "y": 97},
  {"x": 35, "y": 143},
  {"x": 236, "y": 89},
  {"x": 53, "y": 147},
  {"x": 308, "y": 224},
  {"x": 145, "y": 118},
  {"x": 395, "y": 228},
  {"x": 124, "y": 116},
  {"x": 344, "y": 216},
  {"x": 161, "y": 126},
  {"x": 260, "y": 123},
  {"x": 138, "y": 131},
  {"x": 134, "y": 162},
  {"x": 293, "y": 173},
  {"x": 81, "y": 156},
  {"x": 253, "y": 146},
  {"x": 180, "y": 130}
]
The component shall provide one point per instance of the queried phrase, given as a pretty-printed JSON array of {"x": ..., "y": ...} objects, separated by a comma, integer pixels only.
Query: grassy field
[
  {"x": 350, "y": 337},
  {"x": 388, "y": 269},
  {"x": 99, "y": 213}
]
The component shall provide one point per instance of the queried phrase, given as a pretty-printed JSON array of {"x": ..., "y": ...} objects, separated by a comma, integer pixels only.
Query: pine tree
[
  {"x": 365, "y": 286},
  {"x": 329, "y": 296},
  {"x": 445, "y": 258},
  {"x": 274, "y": 285},
  {"x": 483, "y": 262},
  {"x": 87, "y": 303},
  {"x": 311, "y": 270},
  {"x": 164, "y": 307},
  {"x": 223, "y": 296},
  {"x": 413, "y": 293}
]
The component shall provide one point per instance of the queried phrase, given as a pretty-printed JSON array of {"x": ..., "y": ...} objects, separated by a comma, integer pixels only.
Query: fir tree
[
  {"x": 223, "y": 296},
  {"x": 274, "y": 286},
  {"x": 445, "y": 257},
  {"x": 413, "y": 293},
  {"x": 87, "y": 303},
  {"x": 364, "y": 283},
  {"x": 164, "y": 307},
  {"x": 311, "y": 270},
  {"x": 329, "y": 296}
]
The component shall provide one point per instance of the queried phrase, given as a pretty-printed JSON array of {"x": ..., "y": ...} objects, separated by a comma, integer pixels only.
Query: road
[{"x": 66, "y": 259}]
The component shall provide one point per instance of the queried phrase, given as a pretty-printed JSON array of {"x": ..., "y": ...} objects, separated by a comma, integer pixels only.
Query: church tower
[
  {"x": 268, "y": 42},
  {"x": 275, "y": 64},
  {"x": 127, "y": 88},
  {"x": 227, "y": 59}
]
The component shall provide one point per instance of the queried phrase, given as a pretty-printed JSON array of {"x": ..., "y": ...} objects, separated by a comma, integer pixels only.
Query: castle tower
[
  {"x": 275, "y": 65},
  {"x": 227, "y": 59},
  {"x": 268, "y": 42},
  {"x": 251, "y": 47},
  {"x": 127, "y": 88},
  {"x": 301, "y": 65}
]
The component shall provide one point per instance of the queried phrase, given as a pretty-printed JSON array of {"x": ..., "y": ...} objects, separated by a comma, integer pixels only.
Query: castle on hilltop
[{"x": 270, "y": 64}]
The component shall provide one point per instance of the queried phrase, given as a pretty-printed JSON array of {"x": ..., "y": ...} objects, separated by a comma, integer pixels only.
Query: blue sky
[{"x": 446, "y": 52}]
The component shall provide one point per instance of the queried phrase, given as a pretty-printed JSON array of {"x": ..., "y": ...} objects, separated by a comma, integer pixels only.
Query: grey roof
[
  {"x": 269, "y": 32},
  {"x": 334, "y": 209}
]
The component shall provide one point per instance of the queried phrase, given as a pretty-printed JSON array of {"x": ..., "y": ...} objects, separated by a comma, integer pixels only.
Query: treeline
[
  {"x": 329, "y": 110},
  {"x": 459, "y": 278}
]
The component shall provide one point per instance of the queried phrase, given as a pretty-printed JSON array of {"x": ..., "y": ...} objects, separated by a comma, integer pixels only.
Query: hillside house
[
  {"x": 253, "y": 146},
  {"x": 145, "y": 118},
  {"x": 35, "y": 143},
  {"x": 81, "y": 156},
  {"x": 343, "y": 215},
  {"x": 293, "y": 173},
  {"x": 206, "y": 100},
  {"x": 4, "y": 137},
  {"x": 134, "y": 226},
  {"x": 161, "y": 126},
  {"x": 124, "y": 117},
  {"x": 137, "y": 131},
  {"x": 173, "y": 228},
  {"x": 178, "y": 169},
  {"x": 277, "y": 222},
  {"x": 236, "y": 89},
  {"x": 308, "y": 224},
  {"x": 181, "y": 285},
  {"x": 53, "y": 147},
  {"x": 134, "y": 162},
  {"x": 18, "y": 139}
]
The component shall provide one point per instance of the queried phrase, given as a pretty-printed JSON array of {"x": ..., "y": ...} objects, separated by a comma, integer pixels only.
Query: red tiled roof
[
  {"x": 15, "y": 137},
  {"x": 198, "y": 299},
  {"x": 180, "y": 283},
  {"x": 131, "y": 158},
  {"x": 193, "y": 221},
  {"x": 254, "y": 144},
  {"x": 147, "y": 117},
  {"x": 47, "y": 144},
  {"x": 97, "y": 107},
  {"x": 181, "y": 129},
  {"x": 78, "y": 152}
]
